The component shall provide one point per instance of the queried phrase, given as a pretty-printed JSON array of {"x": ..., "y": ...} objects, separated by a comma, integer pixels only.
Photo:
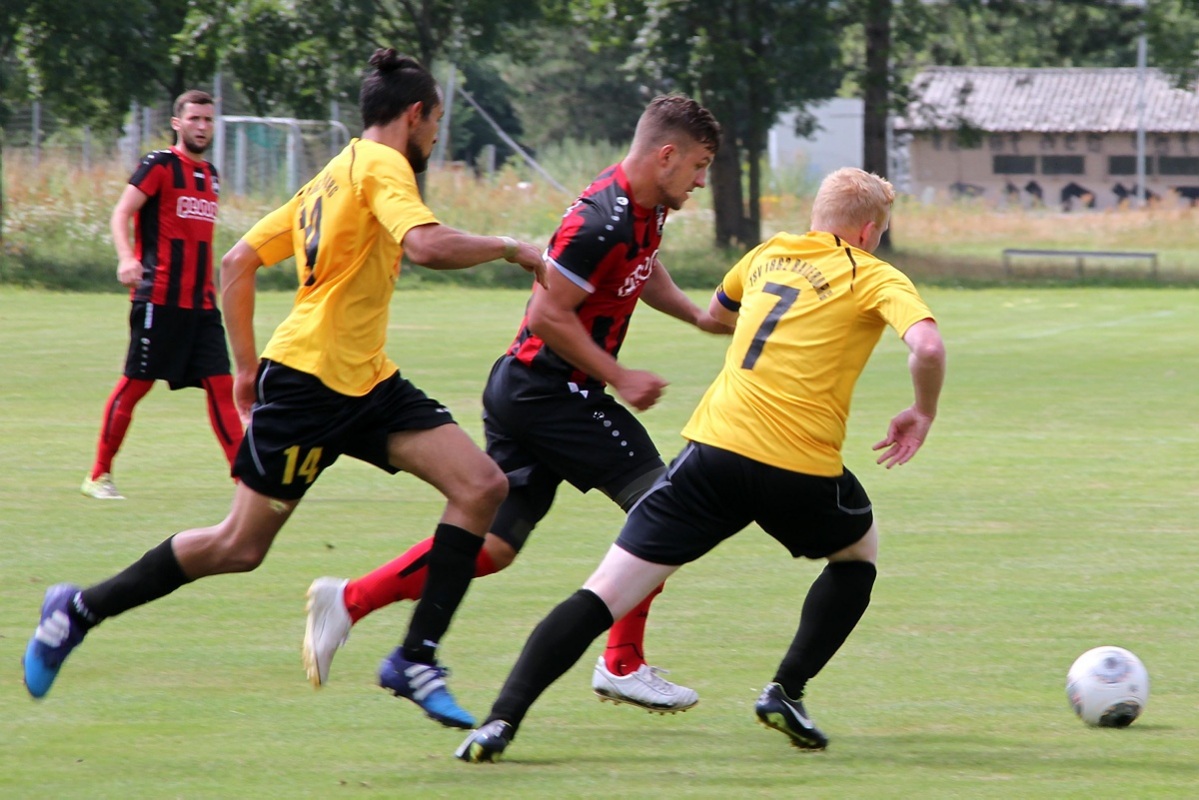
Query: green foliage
[
  {"x": 1172, "y": 29},
  {"x": 746, "y": 60},
  {"x": 572, "y": 89},
  {"x": 133, "y": 50},
  {"x": 470, "y": 132}
]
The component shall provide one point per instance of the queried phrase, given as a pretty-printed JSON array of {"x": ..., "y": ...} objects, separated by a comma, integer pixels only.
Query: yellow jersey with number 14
[
  {"x": 344, "y": 228},
  {"x": 812, "y": 309}
]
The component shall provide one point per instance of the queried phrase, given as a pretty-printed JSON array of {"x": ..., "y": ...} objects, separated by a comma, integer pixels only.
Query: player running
[{"x": 547, "y": 415}]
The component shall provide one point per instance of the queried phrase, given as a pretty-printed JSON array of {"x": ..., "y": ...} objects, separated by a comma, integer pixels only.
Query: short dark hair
[
  {"x": 672, "y": 114},
  {"x": 392, "y": 84},
  {"x": 193, "y": 96}
]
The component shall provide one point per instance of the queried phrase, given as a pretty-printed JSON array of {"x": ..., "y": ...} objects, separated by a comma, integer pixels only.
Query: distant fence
[
  {"x": 1080, "y": 258},
  {"x": 268, "y": 156},
  {"x": 274, "y": 154}
]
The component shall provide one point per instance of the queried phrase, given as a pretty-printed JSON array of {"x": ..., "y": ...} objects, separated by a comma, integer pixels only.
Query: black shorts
[
  {"x": 710, "y": 494},
  {"x": 299, "y": 426},
  {"x": 178, "y": 345},
  {"x": 541, "y": 433}
]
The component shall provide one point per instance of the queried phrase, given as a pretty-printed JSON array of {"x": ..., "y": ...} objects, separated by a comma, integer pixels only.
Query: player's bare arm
[
  {"x": 442, "y": 247},
  {"x": 238, "y": 268},
  {"x": 663, "y": 294},
  {"x": 910, "y": 427},
  {"x": 129, "y": 268},
  {"x": 552, "y": 317}
]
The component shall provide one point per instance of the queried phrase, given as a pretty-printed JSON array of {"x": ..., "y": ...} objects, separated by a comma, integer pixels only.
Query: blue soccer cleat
[
  {"x": 423, "y": 684},
  {"x": 56, "y": 636}
]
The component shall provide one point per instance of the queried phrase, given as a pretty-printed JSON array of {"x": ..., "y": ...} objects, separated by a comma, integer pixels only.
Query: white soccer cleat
[
  {"x": 645, "y": 688},
  {"x": 102, "y": 488},
  {"x": 327, "y": 628}
]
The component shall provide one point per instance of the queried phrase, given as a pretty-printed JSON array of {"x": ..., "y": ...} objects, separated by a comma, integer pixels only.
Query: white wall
[{"x": 837, "y": 141}]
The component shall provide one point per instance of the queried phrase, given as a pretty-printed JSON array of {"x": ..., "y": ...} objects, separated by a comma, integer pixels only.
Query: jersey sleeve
[
  {"x": 272, "y": 237},
  {"x": 393, "y": 197},
  {"x": 894, "y": 298},
  {"x": 732, "y": 286},
  {"x": 582, "y": 242},
  {"x": 149, "y": 174}
]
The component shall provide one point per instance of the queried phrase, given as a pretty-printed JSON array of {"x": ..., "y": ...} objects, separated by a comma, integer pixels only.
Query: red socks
[
  {"x": 402, "y": 578},
  {"x": 625, "y": 652},
  {"x": 222, "y": 413},
  {"x": 118, "y": 413}
]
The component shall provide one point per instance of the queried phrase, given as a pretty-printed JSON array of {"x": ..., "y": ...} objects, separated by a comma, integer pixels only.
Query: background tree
[
  {"x": 570, "y": 86},
  {"x": 469, "y": 132},
  {"x": 746, "y": 60},
  {"x": 88, "y": 59}
]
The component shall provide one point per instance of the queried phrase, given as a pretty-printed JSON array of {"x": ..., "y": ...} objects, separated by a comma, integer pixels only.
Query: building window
[
  {"x": 1127, "y": 165},
  {"x": 1014, "y": 165},
  {"x": 1063, "y": 165},
  {"x": 1178, "y": 165}
]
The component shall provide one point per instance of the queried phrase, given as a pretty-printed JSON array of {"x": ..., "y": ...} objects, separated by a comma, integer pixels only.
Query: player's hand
[
  {"x": 639, "y": 388},
  {"x": 905, "y": 435},
  {"x": 244, "y": 394},
  {"x": 129, "y": 271},
  {"x": 709, "y": 324},
  {"x": 530, "y": 258}
]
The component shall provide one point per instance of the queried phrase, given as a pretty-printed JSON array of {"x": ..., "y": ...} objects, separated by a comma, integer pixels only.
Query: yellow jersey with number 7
[{"x": 812, "y": 309}]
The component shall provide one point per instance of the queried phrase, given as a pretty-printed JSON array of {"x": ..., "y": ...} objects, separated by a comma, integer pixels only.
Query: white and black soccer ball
[{"x": 1108, "y": 687}]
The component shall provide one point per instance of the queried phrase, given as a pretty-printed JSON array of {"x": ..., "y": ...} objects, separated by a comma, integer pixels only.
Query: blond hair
[{"x": 849, "y": 198}]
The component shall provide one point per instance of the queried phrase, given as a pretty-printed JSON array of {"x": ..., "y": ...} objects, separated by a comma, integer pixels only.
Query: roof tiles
[{"x": 1090, "y": 100}]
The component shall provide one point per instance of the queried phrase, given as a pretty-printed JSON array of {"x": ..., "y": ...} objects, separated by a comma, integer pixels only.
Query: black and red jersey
[
  {"x": 608, "y": 245},
  {"x": 173, "y": 229}
]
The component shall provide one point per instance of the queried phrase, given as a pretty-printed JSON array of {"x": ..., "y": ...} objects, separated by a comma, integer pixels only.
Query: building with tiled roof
[{"x": 1051, "y": 136}]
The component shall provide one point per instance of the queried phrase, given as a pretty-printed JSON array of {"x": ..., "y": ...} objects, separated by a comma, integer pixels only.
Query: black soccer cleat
[
  {"x": 776, "y": 710},
  {"x": 487, "y": 743}
]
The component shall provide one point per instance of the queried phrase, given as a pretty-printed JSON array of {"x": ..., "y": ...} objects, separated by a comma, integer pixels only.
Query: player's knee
[
  {"x": 238, "y": 553},
  {"x": 490, "y": 490},
  {"x": 864, "y": 549},
  {"x": 245, "y": 558},
  {"x": 500, "y": 552}
]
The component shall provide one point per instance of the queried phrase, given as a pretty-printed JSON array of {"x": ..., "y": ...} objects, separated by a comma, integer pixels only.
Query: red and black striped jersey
[
  {"x": 173, "y": 229},
  {"x": 608, "y": 245}
]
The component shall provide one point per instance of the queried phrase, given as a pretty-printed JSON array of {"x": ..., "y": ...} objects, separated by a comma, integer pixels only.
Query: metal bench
[{"x": 1080, "y": 257}]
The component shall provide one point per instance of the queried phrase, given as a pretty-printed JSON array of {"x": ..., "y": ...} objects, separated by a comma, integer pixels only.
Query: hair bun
[{"x": 386, "y": 59}]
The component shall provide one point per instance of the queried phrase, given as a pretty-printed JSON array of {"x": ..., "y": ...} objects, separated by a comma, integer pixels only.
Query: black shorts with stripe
[
  {"x": 542, "y": 431},
  {"x": 709, "y": 494},
  {"x": 299, "y": 426},
  {"x": 181, "y": 346}
]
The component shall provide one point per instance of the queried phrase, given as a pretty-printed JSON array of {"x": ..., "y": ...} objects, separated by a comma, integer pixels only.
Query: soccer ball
[{"x": 1108, "y": 687}]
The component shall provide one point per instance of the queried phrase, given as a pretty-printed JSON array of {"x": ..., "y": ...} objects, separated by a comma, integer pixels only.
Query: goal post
[{"x": 274, "y": 155}]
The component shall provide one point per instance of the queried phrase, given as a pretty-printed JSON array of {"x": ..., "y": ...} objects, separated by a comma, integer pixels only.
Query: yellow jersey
[
  {"x": 345, "y": 228},
  {"x": 812, "y": 309}
]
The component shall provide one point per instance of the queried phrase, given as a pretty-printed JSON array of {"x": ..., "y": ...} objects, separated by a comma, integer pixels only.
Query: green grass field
[{"x": 1053, "y": 510}]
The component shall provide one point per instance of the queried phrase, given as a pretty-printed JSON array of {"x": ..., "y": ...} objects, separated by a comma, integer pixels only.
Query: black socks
[
  {"x": 451, "y": 568},
  {"x": 835, "y": 602},
  {"x": 156, "y": 574},
  {"x": 554, "y": 646}
]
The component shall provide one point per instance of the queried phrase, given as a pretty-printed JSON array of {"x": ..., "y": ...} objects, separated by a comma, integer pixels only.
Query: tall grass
[{"x": 55, "y": 227}]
